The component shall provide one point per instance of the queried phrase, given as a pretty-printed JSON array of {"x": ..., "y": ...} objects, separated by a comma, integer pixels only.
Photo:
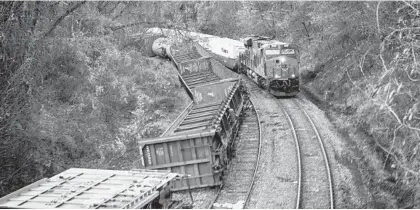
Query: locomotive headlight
[
  {"x": 293, "y": 75},
  {"x": 277, "y": 76},
  {"x": 282, "y": 59}
]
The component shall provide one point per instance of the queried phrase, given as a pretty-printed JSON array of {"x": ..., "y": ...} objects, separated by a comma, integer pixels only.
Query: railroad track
[
  {"x": 240, "y": 180},
  {"x": 312, "y": 176},
  {"x": 315, "y": 187}
]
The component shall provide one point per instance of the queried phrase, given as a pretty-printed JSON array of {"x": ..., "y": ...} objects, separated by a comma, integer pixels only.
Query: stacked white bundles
[
  {"x": 236, "y": 47},
  {"x": 226, "y": 47}
]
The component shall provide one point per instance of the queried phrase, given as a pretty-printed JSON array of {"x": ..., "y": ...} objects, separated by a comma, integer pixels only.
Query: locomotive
[{"x": 272, "y": 64}]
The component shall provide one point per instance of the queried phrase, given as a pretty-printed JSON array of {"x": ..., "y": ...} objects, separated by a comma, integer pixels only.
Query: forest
[{"x": 76, "y": 91}]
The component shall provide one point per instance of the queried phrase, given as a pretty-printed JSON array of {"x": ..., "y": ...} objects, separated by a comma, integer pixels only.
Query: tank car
[{"x": 272, "y": 64}]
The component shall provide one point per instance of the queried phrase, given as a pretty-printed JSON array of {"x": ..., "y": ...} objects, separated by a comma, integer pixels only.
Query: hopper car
[{"x": 198, "y": 142}]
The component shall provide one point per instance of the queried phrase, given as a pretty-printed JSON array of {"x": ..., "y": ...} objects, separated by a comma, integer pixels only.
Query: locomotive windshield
[
  {"x": 288, "y": 51},
  {"x": 272, "y": 52}
]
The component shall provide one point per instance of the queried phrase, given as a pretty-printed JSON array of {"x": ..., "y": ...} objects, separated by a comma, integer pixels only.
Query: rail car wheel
[
  {"x": 262, "y": 83},
  {"x": 241, "y": 69}
]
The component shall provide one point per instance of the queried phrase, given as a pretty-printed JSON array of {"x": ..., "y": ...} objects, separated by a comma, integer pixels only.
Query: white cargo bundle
[
  {"x": 226, "y": 47},
  {"x": 180, "y": 34}
]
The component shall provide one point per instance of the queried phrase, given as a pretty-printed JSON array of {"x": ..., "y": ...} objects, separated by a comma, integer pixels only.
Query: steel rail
[
  {"x": 324, "y": 153},
  {"x": 258, "y": 158},
  {"x": 248, "y": 195},
  {"x": 299, "y": 161}
]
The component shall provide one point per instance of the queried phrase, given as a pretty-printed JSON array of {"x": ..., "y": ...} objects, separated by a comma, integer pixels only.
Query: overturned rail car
[
  {"x": 79, "y": 188},
  {"x": 199, "y": 141}
]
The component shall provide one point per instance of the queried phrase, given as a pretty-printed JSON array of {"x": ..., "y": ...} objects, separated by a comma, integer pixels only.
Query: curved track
[
  {"x": 313, "y": 179},
  {"x": 315, "y": 189},
  {"x": 240, "y": 181},
  {"x": 298, "y": 150}
]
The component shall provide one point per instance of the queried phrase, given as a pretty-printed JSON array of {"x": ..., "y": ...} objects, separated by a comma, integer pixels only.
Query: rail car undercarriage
[{"x": 277, "y": 87}]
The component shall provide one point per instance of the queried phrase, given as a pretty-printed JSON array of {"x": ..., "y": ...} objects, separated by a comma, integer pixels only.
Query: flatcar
[
  {"x": 272, "y": 64},
  {"x": 81, "y": 188}
]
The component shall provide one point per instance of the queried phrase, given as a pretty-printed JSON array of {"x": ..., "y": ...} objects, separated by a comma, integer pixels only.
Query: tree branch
[
  {"x": 61, "y": 18},
  {"x": 36, "y": 16},
  {"x": 115, "y": 6},
  {"x": 377, "y": 18},
  {"x": 121, "y": 12},
  {"x": 411, "y": 6},
  {"x": 307, "y": 33},
  {"x": 115, "y": 28}
]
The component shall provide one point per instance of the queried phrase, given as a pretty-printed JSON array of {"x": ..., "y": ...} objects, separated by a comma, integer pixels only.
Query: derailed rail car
[
  {"x": 196, "y": 72},
  {"x": 199, "y": 140},
  {"x": 80, "y": 188},
  {"x": 199, "y": 143}
]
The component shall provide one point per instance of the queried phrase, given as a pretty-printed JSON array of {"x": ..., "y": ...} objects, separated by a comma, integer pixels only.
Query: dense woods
[
  {"x": 71, "y": 94},
  {"x": 74, "y": 92}
]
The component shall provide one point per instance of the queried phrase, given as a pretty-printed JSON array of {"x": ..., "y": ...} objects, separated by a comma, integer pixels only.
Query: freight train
[{"x": 272, "y": 64}]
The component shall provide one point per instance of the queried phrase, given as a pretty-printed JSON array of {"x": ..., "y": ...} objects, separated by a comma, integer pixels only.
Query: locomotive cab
[
  {"x": 281, "y": 61},
  {"x": 282, "y": 65}
]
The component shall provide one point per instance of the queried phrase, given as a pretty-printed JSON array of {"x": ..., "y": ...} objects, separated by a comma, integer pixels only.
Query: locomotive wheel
[{"x": 288, "y": 89}]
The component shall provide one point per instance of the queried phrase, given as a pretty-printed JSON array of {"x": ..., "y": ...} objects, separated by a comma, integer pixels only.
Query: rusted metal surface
[
  {"x": 197, "y": 72},
  {"x": 176, "y": 122},
  {"x": 211, "y": 107},
  {"x": 184, "y": 53},
  {"x": 93, "y": 188},
  {"x": 198, "y": 119},
  {"x": 193, "y": 68},
  {"x": 185, "y": 154},
  {"x": 214, "y": 92}
]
